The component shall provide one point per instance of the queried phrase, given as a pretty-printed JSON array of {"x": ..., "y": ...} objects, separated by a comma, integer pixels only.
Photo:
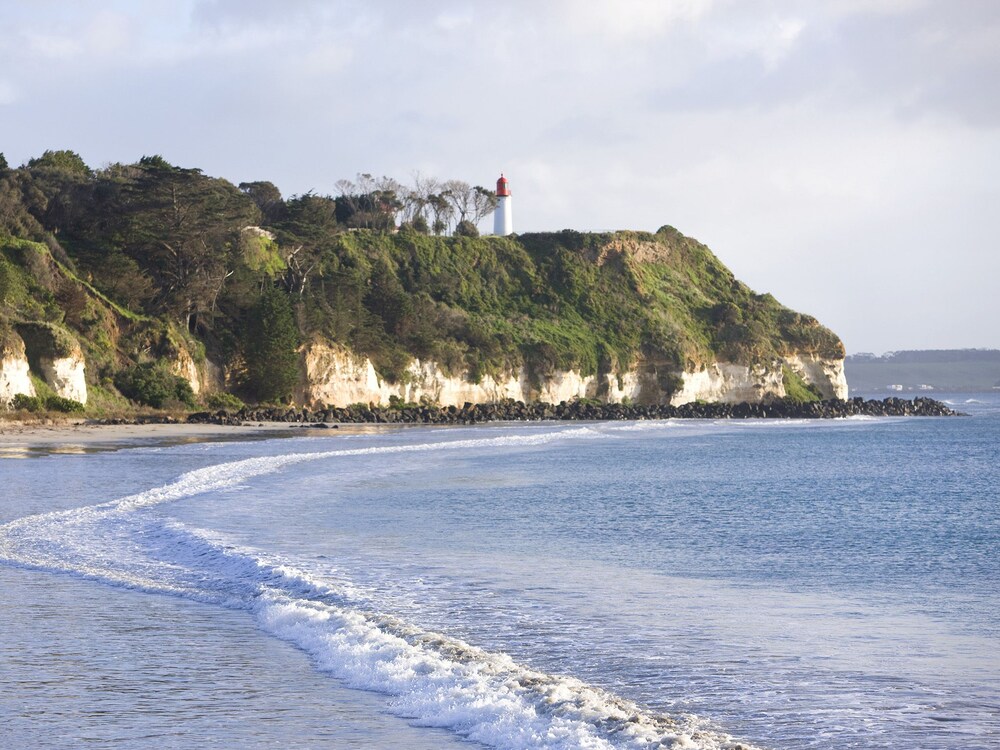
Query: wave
[{"x": 431, "y": 678}]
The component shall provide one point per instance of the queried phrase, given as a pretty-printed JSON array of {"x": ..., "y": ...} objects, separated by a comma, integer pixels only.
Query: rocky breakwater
[{"x": 518, "y": 411}]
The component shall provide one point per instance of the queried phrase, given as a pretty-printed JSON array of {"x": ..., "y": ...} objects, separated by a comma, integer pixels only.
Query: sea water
[{"x": 678, "y": 583}]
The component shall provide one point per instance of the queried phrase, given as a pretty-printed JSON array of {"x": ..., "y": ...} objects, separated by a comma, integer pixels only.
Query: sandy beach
[{"x": 21, "y": 439}]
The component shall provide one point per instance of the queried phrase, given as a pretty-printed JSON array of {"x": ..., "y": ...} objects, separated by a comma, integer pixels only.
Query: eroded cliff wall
[
  {"x": 48, "y": 352},
  {"x": 14, "y": 370},
  {"x": 334, "y": 376}
]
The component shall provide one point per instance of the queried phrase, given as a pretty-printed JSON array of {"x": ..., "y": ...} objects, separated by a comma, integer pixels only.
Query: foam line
[{"x": 431, "y": 678}]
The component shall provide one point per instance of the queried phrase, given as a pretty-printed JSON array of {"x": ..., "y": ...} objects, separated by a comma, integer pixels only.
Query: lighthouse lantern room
[{"x": 503, "y": 218}]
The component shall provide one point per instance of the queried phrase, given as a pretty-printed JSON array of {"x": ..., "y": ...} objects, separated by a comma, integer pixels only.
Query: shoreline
[
  {"x": 24, "y": 439},
  {"x": 19, "y": 439}
]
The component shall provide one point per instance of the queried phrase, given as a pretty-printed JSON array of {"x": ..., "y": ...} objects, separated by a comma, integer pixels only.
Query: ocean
[{"x": 680, "y": 583}]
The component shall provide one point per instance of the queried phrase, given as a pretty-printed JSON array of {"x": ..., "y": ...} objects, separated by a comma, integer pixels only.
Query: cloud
[
  {"x": 453, "y": 21},
  {"x": 933, "y": 60},
  {"x": 8, "y": 94},
  {"x": 630, "y": 19},
  {"x": 914, "y": 59},
  {"x": 801, "y": 139}
]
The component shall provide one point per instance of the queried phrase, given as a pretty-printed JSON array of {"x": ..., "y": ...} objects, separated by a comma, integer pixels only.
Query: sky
[{"x": 841, "y": 154}]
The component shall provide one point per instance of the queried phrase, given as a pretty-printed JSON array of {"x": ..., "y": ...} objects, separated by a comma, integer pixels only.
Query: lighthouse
[{"x": 503, "y": 216}]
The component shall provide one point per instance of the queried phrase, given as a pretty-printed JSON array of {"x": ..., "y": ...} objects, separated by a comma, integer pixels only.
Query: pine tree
[{"x": 271, "y": 338}]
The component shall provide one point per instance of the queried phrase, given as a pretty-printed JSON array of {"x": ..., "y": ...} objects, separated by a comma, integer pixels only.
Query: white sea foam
[
  {"x": 432, "y": 678},
  {"x": 486, "y": 697},
  {"x": 645, "y": 425}
]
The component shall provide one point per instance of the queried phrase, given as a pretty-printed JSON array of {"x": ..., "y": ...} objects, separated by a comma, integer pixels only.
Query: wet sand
[{"x": 19, "y": 439}]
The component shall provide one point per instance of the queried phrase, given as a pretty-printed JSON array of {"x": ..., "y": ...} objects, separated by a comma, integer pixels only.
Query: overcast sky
[{"x": 843, "y": 155}]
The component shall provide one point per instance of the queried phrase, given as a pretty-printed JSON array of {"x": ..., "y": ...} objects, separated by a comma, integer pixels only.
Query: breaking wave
[{"x": 430, "y": 678}]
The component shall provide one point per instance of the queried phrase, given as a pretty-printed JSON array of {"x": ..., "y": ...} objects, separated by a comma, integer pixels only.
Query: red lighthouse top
[{"x": 503, "y": 188}]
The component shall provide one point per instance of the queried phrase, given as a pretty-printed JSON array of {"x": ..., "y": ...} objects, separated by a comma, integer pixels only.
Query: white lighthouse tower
[{"x": 503, "y": 216}]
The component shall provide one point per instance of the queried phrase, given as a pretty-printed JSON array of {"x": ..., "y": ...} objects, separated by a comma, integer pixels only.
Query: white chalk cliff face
[
  {"x": 335, "y": 376},
  {"x": 732, "y": 383},
  {"x": 826, "y": 374},
  {"x": 729, "y": 383},
  {"x": 184, "y": 366},
  {"x": 66, "y": 375},
  {"x": 64, "y": 371},
  {"x": 203, "y": 377},
  {"x": 14, "y": 371}
]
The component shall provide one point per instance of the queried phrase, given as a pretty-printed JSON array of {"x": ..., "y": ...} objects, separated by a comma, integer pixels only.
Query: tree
[
  {"x": 420, "y": 225},
  {"x": 15, "y": 217},
  {"x": 62, "y": 188},
  {"x": 442, "y": 210},
  {"x": 310, "y": 219},
  {"x": 416, "y": 199},
  {"x": 483, "y": 202},
  {"x": 268, "y": 199},
  {"x": 386, "y": 298},
  {"x": 121, "y": 279},
  {"x": 183, "y": 229},
  {"x": 466, "y": 228},
  {"x": 460, "y": 195},
  {"x": 469, "y": 203},
  {"x": 269, "y": 348},
  {"x": 370, "y": 203},
  {"x": 151, "y": 383},
  {"x": 64, "y": 161}
]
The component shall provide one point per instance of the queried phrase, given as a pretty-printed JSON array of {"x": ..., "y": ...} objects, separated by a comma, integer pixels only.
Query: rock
[{"x": 508, "y": 410}]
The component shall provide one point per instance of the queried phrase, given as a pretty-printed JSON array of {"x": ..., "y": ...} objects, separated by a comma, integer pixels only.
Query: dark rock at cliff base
[{"x": 518, "y": 411}]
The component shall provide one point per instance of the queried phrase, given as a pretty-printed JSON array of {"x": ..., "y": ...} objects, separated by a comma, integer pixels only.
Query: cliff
[
  {"x": 165, "y": 285},
  {"x": 336, "y": 377},
  {"x": 625, "y": 316}
]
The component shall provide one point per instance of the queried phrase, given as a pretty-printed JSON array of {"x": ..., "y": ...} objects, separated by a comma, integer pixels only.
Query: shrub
[
  {"x": 466, "y": 228},
  {"x": 223, "y": 400},
  {"x": 395, "y": 402},
  {"x": 153, "y": 385},
  {"x": 66, "y": 405},
  {"x": 24, "y": 402}
]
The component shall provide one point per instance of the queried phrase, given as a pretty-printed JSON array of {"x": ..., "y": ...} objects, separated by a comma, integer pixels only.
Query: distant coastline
[{"x": 924, "y": 371}]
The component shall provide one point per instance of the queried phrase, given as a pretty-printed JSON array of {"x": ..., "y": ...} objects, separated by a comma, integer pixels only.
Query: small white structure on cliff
[{"x": 503, "y": 217}]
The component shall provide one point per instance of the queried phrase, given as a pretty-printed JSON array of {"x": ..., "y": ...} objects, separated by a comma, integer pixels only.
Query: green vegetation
[
  {"x": 147, "y": 263},
  {"x": 66, "y": 405},
  {"x": 45, "y": 399},
  {"x": 796, "y": 389},
  {"x": 271, "y": 338},
  {"x": 151, "y": 384},
  {"x": 223, "y": 400},
  {"x": 24, "y": 402}
]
